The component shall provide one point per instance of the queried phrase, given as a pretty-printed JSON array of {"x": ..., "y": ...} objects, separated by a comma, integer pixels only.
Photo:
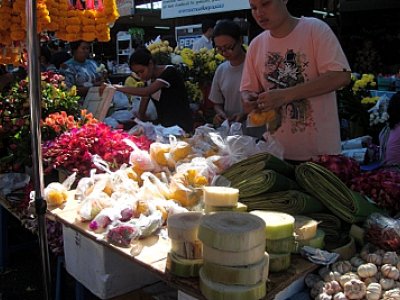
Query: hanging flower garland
[
  {"x": 71, "y": 20},
  {"x": 78, "y": 20}
]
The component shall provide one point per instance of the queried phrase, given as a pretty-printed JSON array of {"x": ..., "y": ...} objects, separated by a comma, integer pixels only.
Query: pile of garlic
[{"x": 372, "y": 275}]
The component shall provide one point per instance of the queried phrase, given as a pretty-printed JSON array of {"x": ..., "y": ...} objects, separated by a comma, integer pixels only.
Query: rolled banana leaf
[
  {"x": 292, "y": 202},
  {"x": 346, "y": 204},
  {"x": 255, "y": 163},
  {"x": 329, "y": 223},
  {"x": 262, "y": 182}
]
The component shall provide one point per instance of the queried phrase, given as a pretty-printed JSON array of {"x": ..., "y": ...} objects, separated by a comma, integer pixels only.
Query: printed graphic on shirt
[{"x": 286, "y": 71}]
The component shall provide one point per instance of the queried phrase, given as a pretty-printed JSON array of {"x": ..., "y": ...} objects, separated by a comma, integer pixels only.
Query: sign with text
[{"x": 183, "y": 8}]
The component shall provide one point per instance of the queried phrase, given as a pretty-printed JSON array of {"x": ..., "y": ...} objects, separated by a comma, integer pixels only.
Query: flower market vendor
[
  {"x": 294, "y": 68},
  {"x": 82, "y": 71},
  {"x": 225, "y": 92},
  {"x": 167, "y": 90}
]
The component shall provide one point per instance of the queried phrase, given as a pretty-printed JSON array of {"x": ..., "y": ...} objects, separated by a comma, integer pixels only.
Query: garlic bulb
[
  {"x": 323, "y": 296},
  {"x": 341, "y": 267},
  {"x": 347, "y": 277},
  {"x": 392, "y": 295},
  {"x": 374, "y": 259},
  {"x": 332, "y": 287},
  {"x": 311, "y": 279},
  {"x": 390, "y": 271},
  {"x": 355, "y": 289},
  {"x": 356, "y": 261},
  {"x": 340, "y": 296},
  {"x": 367, "y": 270},
  {"x": 317, "y": 289},
  {"x": 374, "y": 291},
  {"x": 324, "y": 272},
  {"x": 390, "y": 257},
  {"x": 386, "y": 283}
]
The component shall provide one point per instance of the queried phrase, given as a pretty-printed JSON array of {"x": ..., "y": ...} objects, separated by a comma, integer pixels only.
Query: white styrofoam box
[
  {"x": 101, "y": 270},
  {"x": 184, "y": 296}
]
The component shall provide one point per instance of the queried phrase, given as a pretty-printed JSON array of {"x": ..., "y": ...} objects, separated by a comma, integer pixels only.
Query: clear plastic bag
[{"x": 383, "y": 231}]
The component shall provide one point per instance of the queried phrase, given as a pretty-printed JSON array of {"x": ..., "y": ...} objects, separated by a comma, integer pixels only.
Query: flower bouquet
[
  {"x": 354, "y": 101},
  {"x": 15, "y": 135}
]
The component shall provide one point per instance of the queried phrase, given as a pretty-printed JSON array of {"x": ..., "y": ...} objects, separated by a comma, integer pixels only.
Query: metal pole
[{"x": 35, "y": 109}]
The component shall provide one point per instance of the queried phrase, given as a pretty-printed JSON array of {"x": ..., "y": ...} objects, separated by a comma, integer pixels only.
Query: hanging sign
[{"x": 183, "y": 8}]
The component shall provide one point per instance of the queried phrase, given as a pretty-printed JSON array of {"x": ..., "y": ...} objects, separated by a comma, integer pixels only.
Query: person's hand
[
  {"x": 249, "y": 101},
  {"x": 219, "y": 118},
  {"x": 236, "y": 118},
  {"x": 271, "y": 99}
]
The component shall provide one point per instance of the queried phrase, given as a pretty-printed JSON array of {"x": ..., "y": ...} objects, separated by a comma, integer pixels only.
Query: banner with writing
[{"x": 183, "y": 8}]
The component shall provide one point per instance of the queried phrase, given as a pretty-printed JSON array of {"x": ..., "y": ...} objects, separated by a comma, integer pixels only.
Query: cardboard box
[{"x": 101, "y": 270}]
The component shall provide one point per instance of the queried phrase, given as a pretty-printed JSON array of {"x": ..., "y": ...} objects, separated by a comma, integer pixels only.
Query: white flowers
[{"x": 378, "y": 113}]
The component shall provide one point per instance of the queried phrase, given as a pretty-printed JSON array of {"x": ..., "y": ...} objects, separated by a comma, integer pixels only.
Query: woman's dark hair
[
  {"x": 227, "y": 27},
  {"x": 75, "y": 45},
  {"x": 141, "y": 56},
  {"x": 45, "y": 52},
  {"x": 394, "y": 110}
]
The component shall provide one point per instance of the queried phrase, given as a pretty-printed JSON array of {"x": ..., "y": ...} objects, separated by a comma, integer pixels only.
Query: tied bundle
[
  {"x": 257, "y": 163},
  {"x": 350, "y": 206},
  {"x": 262, "y": 182},
  {"x": 292, "y": 202}
]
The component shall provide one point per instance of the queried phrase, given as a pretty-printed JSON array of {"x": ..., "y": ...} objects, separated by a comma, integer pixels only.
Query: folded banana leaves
[
  {"x": 262, "y": 182},
  {"x": 256, "y": 163},
  {"x": 329, "y": 223},
  {"x": 346, "y": 204},
  {"x": 291, "y": 201}
]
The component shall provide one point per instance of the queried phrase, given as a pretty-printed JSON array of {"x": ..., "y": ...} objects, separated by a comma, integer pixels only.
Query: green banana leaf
[
  {"x": 346, "y": 204},
  {"x": 255, "y": 163},
  {"x": 291, "y": 201},
  {"x": 262, "y": 182}
]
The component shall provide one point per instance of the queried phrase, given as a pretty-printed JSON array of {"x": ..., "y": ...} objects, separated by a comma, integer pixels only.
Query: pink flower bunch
[{"x": 73, "y": 150}]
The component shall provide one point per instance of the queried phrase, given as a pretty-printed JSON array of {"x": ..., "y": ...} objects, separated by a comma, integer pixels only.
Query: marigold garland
[{"x": 90, "y": 21}]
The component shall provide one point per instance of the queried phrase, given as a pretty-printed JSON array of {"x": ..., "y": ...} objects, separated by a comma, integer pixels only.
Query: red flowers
[{"x": 73, "y": 150}]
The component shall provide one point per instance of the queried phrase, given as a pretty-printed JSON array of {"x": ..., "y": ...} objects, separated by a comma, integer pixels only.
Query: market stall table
[{"x": 154, "y": 250}]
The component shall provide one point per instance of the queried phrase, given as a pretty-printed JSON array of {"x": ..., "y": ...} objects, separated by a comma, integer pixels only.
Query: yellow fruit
[
  {"x": 259, "y": 118},
  {"x": 180, "y": 150},
  {"x": 187, "y": 198},
  {"x": 142, "y": 207},
  {"x": 56, "y": 198},
  {"x": 158, "y": 152}
]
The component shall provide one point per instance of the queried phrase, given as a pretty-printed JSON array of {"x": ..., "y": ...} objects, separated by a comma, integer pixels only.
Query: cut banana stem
[
  {"x": 278, "y": 225},
  {"x": 237, "y": 258},
  {"x": 218, "y": 291},
  {"x": 183, "y": 267},
  {"x": 184, "y": 226},
  {"x": 232, "y": 231},
  {"x": 305, "y": 228},
  {"x": 221, "y": 196},
  {"x": 187, "y": 249},
  {"x": 279, "y": 262},
  {"x": 316, "y": 242},
  {"x": 243, "y": 275},
  {"x": 239, "y": 207},
  {"x": 285, "y": 245}
]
